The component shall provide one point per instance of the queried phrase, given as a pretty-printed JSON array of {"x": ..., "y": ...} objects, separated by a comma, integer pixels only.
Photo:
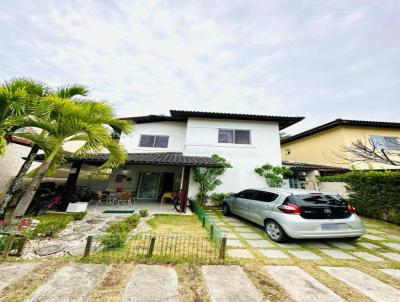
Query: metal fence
[
  {"x": 215, "y": 232},
  {"x": 209, "y": 248},
  {"x": 156, "y": 246},
  {"x": 11, "y": 244}
]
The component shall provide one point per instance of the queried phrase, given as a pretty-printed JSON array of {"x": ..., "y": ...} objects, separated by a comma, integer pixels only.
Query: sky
[{"x": 318, "y": 59}]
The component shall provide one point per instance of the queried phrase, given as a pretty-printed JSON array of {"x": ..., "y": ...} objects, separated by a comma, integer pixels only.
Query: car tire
[
  {"x": 353, "y": 238},
  {"x": 275, "y": 232},
  {"x": 225, "y": 210}
]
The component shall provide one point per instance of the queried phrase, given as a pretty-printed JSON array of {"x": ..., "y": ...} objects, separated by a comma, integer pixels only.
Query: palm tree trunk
[
  {"x": 30, "y": 191},
  {"x": 16, "y": 182}
]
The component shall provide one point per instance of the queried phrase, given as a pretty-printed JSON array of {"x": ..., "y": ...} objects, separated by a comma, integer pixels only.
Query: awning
[
  {"x": 297, "y": 166},
  {"x": 150, "y": 158}
]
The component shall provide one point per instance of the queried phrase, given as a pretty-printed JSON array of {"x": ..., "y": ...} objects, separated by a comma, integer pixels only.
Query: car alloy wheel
[{"x": 273, "y": 231}]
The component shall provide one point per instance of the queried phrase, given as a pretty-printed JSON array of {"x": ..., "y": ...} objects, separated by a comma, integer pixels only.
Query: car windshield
[{"x": 319, "y": 199}]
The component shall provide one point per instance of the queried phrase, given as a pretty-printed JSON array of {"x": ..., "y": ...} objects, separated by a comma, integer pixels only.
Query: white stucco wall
[
  {"x": 175, "y": 130},
  {"x": 11, "y": 163},
  {"x": 202, "y": 140}
]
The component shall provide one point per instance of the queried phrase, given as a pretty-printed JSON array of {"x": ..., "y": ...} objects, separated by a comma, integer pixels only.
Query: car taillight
[
  {"x": 289, "y": 208},
  {"x": 351, "y": 209}
]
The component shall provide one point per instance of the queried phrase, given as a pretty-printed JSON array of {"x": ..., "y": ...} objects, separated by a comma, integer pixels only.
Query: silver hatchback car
[{"x": 296, "y": 213}]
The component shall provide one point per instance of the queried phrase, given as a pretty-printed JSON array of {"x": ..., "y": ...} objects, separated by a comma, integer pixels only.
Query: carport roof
[{"x": 151, "y": 158}]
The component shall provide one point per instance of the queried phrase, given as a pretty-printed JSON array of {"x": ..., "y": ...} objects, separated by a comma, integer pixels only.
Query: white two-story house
[{"x": 163, "y": 150}]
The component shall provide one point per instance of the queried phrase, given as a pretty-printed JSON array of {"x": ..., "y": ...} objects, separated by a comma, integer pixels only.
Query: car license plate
[{"x": 334, "y": 226}]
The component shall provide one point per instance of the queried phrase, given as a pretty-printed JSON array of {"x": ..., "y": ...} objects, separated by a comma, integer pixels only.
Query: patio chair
[
  {"x": 100, "y": 197},
  {"x": 167, "y": 195},
  {"x": 124, "y": 197}
]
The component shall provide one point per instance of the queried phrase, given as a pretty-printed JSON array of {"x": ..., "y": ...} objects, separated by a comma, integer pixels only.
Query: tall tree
[
  {"x": 372, "y": 152},
  {"x": 71, "y": 120},
  {"x": 21, "y": 97}
]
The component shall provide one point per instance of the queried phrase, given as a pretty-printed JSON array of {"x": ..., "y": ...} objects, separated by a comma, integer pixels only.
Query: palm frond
[{"x": 70, "y": 91}]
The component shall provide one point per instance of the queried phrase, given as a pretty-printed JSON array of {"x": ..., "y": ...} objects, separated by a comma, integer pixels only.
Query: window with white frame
[
  {"x": 234, "y": 136},
  {"x": 154, "y": 141},
  {"x": 386, "y": 142}
]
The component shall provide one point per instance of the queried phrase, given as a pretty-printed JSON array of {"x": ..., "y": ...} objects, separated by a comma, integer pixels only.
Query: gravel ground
[{"x": 76, "y": 247}]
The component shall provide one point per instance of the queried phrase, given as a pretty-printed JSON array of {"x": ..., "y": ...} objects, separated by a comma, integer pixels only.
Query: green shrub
[
  {"x": 133, "y": 220},
  {"x": 119, "y": 227},
  {"x": 218, "y": 198},
  {"x": 143, "y": 213},
  {"x": 50, "y": 225},
  {"x": 374, "y": 193},
  {"x": 113, "y": 240},
  {"x": 48, "y": 228},
  {"x": 79, "y": 215}
]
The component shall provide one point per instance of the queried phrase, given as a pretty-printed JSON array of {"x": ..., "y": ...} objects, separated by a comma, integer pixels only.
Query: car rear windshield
[{"x": 313, "y": 200}]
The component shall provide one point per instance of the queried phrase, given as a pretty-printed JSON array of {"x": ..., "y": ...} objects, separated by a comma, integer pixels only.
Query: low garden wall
[{"x": 375, "y": 194}]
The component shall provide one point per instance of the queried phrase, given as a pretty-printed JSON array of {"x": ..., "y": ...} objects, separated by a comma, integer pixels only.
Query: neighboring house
[
  {"x": 305, "y": 176},
  {"x": 164, "y": 149},
  {"x": 323, "y": 145}
]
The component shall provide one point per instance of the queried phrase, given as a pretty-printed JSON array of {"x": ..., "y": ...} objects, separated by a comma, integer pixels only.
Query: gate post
[
  {"x": 223, "y": 248},
  {"x": 151, "y": 248}
]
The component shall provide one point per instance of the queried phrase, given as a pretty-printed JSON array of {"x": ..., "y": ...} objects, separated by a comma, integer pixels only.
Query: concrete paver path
[
  {"x": 152, "y": 283},
  {"x": 228, "y": 283},
  {"x": 9, "y": 273},
  {"x": 369, "y": 286},
  {"x": 71, "y": 283},
  {"x": 395, "y": 273},
  {"x": 300, "y": 285}
]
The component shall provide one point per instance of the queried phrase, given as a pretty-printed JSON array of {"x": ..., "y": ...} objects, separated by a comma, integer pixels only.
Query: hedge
[{"x": 375, "y": 194}]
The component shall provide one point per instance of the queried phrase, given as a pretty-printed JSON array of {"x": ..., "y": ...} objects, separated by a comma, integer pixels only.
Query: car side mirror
[{"x": 235, "y": 195}]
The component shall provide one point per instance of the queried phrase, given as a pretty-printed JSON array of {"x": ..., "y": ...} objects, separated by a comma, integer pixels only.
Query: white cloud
[{"x": 272, "y": 57}]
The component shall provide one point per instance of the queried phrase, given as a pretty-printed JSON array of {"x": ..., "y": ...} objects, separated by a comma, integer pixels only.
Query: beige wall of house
[{"x": 323, "y": 148}]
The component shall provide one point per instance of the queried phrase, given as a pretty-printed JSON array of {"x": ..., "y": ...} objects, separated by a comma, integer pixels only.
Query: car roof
[{"x": 287, "y": 191}]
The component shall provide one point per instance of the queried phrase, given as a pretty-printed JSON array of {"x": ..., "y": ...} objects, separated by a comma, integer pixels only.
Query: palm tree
[
  {"x": 71, "y": 120},
  {"x": 18, "y": 98}
]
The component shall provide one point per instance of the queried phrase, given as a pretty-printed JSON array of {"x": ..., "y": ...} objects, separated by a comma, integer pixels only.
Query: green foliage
[
  {"x": 50, "y": 225},
  {"x": 133, "y": 220},
  {"x": 374, "y": 193},
  {"x": 208, "y": 178},
  {"x": 79, "y": 215},
  {"x": 218, "y": 198},
  {"x": 143, "y": 213},
  {"x": 113, "y": 240},
  {"x": 273, "y": 175},
  {"x": 119, "y": 227}
]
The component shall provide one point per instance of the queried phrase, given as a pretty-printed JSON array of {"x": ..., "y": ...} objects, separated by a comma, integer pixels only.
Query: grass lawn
[{"x": 176, "y": 224}]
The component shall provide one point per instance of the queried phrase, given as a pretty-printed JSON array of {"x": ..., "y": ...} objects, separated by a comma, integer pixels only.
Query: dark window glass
[
  {"x": 161, "y": 142},
  {"x": 266, "y": 196},
  {"x": 318, "y": 200},
  {"x": 242, "y": 137},
  {"x": 247, "y": 194},
  {"x": 147, "y": 141},
  {"x": 225, "y": 136}
]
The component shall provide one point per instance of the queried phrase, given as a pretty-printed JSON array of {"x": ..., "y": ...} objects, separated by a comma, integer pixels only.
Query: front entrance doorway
[{"x": 152, "y": 185}]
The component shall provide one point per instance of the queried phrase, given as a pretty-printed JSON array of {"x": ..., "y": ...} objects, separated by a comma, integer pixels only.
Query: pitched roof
[
  {"x": 309, "y": 167},
  {"x": 341, "y": 122},
  {"x": 182, "y": 116},
  {"x": 151, "y": 158}
]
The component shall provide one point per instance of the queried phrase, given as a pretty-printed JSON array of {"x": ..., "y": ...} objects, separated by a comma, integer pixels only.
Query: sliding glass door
[{"x": 148, "y": 185}]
